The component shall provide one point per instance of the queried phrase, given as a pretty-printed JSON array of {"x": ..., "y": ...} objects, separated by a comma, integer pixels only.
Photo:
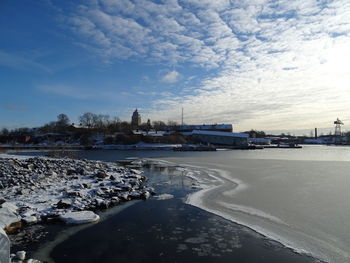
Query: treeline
[{"x": 88, "y": 123}]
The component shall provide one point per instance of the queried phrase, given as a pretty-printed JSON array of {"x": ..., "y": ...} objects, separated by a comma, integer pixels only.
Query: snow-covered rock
[
  {"x": 4, "y": 247},
  {"x": 80, "y": 217},
  {"x": 21, "y": 255},
  {"x": 10, "y": 206},
  {"x": 30, "y": 219},
  {"x": 8, "y": 217}
]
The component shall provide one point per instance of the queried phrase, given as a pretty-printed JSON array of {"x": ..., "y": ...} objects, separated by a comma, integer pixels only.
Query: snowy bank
[{"x": 43, "y": 189}]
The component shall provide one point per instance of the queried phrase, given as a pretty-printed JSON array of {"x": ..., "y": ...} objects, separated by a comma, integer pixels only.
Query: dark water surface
[{"x": 169, "y": 231}]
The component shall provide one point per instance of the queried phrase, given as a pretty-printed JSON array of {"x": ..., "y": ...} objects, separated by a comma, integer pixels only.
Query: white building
[{"x": 221, "y": 138}]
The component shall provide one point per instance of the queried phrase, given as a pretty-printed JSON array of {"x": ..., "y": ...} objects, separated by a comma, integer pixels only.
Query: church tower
[{"x": 135, "y": 119}]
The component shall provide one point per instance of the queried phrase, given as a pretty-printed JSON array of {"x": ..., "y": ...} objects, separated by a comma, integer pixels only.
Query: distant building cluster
[{"x": 96, "y": 130}]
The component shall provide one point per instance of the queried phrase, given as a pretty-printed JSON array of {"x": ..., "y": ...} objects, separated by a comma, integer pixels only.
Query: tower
[
  {"x": 337, "y": 132},
  {"x": 135, "y": 119}
]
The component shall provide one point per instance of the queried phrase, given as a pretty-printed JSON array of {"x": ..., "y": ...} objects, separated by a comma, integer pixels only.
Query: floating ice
[
  {"x": 163, "y": 196},
  {"x": 80, "y": 217}
]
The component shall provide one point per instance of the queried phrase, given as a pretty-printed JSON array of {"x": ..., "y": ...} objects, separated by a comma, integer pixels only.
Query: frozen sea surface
[{"x": 298, "y": 197}]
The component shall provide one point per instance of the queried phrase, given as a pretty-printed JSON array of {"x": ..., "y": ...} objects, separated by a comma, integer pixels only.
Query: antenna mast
[{"x": 182, "y": 116}]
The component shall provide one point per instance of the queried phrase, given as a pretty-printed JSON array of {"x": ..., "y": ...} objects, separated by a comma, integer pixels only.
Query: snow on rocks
[
  {"x": 20, "y": 257},
  {"x": 9, "y": 220},
  {"x": 80, "y": 217},
  {"x": 41, "y": 189}
]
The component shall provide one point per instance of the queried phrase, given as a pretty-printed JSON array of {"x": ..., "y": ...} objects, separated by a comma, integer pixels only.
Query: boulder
[
  {"x": 145, "y": 195},
  {"x": 21, "y": 255},
  {"x": 101, "y": 174},
  {"x": 86, "y": 186},
  {"x": 71, "y": 171},
  {"x": 64, "y": 203},
  {"x": 80, "y": 171},
  {"x": 9, "y": 220}
]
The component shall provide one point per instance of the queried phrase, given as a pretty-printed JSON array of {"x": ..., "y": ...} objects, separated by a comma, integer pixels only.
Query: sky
[{"x": 258, "y": 64}]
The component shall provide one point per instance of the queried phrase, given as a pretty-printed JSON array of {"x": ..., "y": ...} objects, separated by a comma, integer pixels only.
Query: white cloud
[
  {"x": 277, "y": 63},
  {"x": 171, "y": 77}
]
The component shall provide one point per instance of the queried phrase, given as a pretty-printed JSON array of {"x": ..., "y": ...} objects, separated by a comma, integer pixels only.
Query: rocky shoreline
[{"x": 35, "y": 190}]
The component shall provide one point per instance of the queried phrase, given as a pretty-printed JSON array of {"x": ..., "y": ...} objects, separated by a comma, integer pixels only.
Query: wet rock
[
  {"x": 135, "y": 195},
  {"x": 74, "y": 193},
  {"x": 71, "y": 171},
  {"x": 64, "y": 203},
  {"x": 115, "y": 200},
  {"x": 145, "y": 195},
  {"x": 87, "y": 186},
  {"x": 151, "y": 190},
  {"x": 21, "y": 255},
  {"x": 124, "y": 196},
  {"x": 101, "y": 174},
  {"x": 23, "y": 192},
  {"x": 100, "y": 192},
  {"x": 80, "y": 171},
  {"x": 13, "y": 227}
]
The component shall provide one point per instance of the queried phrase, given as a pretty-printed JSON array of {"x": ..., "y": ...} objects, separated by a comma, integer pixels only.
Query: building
[
  {"x": 221, "y": 138},
  {"x": 136, "y": 119},
  {"x": 259, "y": 141},
  {"x": 187, "y": 129}
]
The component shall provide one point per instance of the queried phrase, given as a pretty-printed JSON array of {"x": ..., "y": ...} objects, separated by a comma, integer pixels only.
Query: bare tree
[
  {"x": 158, "y": 125},
  {"x": 62, "y": 120},
  {"x": 87, "y": 119},
  {"x": 5, "y": 131}
]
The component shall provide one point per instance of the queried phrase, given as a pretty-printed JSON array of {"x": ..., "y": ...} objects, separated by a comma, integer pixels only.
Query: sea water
[{"x": 299, "y": 197}]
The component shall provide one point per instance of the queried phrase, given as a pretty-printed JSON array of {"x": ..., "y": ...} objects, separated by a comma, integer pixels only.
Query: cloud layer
[{"x": 276, "y": 63}]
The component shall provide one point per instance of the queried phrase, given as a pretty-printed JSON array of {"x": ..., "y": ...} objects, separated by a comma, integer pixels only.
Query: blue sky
[{"x": 262, "y": 64}]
